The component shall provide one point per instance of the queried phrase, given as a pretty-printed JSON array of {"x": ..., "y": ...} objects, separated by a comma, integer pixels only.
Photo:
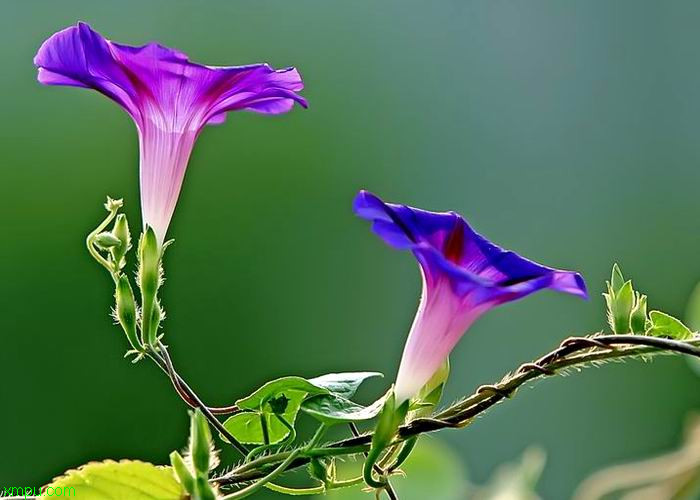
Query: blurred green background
[{"x": 566, "y": 130}]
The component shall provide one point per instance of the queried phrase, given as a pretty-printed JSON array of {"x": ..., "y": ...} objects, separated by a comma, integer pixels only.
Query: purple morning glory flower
[
  {"x": 464, "y": 275},
  {"x": 170, "y": 98}
]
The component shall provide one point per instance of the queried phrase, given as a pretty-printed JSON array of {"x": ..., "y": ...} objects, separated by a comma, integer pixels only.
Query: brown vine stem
[
  {"x": 574, "y": 352},
  {"x": 186, "y": 393},
  {"x": 162, "y": 357}
]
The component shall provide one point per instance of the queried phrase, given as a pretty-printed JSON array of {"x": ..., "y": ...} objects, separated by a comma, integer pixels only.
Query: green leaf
[
  {"x": 276, "y": 388},
  {"x": 286, "y": 394},
  {"x": 616, "y": 280},
  {"x": 111, "y": 480},
  {"x": 247, "y": 426},
  {"x": 343, "y": 384},
  {"x": 331, "y": 409},
  {"x": 665, "y": 325}
]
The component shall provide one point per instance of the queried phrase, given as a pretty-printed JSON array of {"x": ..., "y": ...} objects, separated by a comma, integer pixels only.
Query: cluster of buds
[{"x": 110, "y": 248}]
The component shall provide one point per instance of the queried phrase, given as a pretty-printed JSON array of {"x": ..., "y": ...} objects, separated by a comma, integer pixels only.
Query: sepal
[
  {"x": 429, "y": 396},
  {"x": 183, "y": 474},
  {"x": 390, "y": 418},
  {"x": 149, "y": 281}
]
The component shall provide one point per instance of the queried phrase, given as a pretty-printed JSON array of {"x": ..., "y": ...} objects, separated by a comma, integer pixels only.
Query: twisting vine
[{"x": 574, "y": 352}]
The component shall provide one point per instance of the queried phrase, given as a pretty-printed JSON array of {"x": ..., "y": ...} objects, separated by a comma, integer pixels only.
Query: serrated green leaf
[
  {"x": 111, "y": 480},
  {"x": 638, "y": 318},
  {"x": 616, "y": 280},
  {"x": 276, "y": 388},
  {"x": 665, "y": 325},
  {"x": 331, "y": 409},
  {"x": 343, "y": 384},
  {"x": 247, "y": 426}
]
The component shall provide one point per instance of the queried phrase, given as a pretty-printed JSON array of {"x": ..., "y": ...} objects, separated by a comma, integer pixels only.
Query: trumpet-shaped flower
[
  {"x": 170, "y": 98},
  {"x": 464, "y": 275}
]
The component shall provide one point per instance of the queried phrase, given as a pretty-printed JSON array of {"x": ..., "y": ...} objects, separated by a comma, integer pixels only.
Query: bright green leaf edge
[
  {"x": 331, "y": 409},
  {"x": 111, "y": 480}
]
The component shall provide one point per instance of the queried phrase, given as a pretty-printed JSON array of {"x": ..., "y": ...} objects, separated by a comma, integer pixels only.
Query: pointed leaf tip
[
  {"x": 665, "y": 325},
  {"x": 617, "y": 281}
]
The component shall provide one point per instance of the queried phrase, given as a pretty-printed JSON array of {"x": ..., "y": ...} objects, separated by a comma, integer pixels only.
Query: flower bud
[
  {"x": 149, "y": 281},
  {"x": 121, "y": 232},
  {"x": 201, "y": 443},
  {"x": 107, "y": 241},
  {"x": 126, "y": 310}
]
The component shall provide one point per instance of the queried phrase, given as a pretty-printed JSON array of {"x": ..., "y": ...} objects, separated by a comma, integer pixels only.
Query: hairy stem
[
  {"x": 386, "y": 487},
  {"x": 571, "y": 353},
  {"x": 253, "y": 488}
]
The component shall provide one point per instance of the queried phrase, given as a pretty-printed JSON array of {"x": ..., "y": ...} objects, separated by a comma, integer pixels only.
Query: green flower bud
[
  {"x": 620, "y": 300},
  {"x": 616, "y": 279},
  {"x": 107, "y": 241},
  {"x": 182, "y": 473},
  {"x": 200, "y": 443},
  {"x": 126, "y": 311},
  {"x": 121, "y": 232},
  {"x": 149, "y": 281}
]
